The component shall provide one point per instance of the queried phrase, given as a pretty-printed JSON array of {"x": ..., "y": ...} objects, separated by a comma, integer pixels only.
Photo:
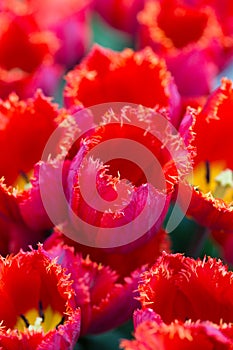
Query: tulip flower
[
  {"x": 26, "y": 59},
  {"x": 190, "y": 39},
  {"x": 127, "y": 76},
  {"x": 185, "y": 303},
  {"x": 37, "y": 305}
]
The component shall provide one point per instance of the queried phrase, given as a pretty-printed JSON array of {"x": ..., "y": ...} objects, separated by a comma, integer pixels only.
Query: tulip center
[
  {"x": 182, "y": 26},
  {"x": 128, "y": 170},
  {"x": 39, "y": 319},
  {"x": 214, "y": 178},
  {"x": 23, "y": 180}
]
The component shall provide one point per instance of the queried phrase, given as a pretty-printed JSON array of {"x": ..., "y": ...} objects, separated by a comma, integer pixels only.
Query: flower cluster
[{"x": 116, "y": 199}]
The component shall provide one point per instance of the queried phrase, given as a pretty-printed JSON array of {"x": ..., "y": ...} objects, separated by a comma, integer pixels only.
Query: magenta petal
[
  {"x": 146, "y": 315},
  {"x": 14, "y": 232},
  {"x": 56, "y": 339},
  {"x": 105, "y": 302},
  {"x": 184, "y": 64}
]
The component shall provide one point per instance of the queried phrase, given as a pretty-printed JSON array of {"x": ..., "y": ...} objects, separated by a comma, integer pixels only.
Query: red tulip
[
  {"x": 190, "y": 39},
  {"x": 26, "y": 56},
  {"x": 127, "y": 77},
  {"x": 37, "y": 304},
  {"x": 213, "y": 165},
  {"x": 189, "y": 303}
]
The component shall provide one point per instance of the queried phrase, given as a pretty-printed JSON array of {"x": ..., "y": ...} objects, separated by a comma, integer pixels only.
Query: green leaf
[
  {"x": 108, "y": 340},
  {"x": 107, "y": 36}
]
